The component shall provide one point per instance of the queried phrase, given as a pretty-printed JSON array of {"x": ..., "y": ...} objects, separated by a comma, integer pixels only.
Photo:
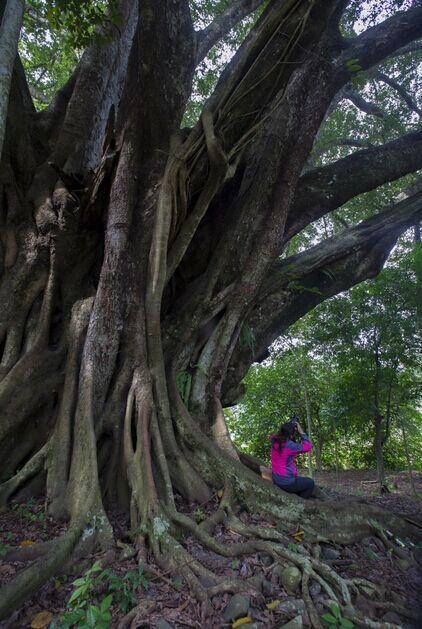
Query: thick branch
[
  {"x": 404, "y": 95},
  {"x": 223, "y": 24},
  {"x": 322, "y": 190},
  {"x": 382, "y": 40},
  {"x": 301, "y": 282},
  {"x": 350, "y": 142},
  {"x": 408, "y": 49},
  {"x": 361, "y": 103}
]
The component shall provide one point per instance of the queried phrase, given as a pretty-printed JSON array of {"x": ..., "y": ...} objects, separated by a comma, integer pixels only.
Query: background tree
[
  {"x": 137, "y": 253},
  {"x": 362, "y": 374}
]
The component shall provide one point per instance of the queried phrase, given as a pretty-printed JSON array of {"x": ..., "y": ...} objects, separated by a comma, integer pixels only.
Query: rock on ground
[{"x": 237, "y": 607}]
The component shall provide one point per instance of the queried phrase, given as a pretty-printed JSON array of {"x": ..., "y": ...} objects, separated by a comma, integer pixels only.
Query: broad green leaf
[{"x": 330, "y": 619}]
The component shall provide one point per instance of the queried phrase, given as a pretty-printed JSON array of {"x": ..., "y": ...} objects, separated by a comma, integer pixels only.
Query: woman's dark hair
[{"x": 285, "y": 432}]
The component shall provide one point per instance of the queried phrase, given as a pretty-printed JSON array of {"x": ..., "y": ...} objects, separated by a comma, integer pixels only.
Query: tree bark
[
  {"x": 132, "y": 254},
  {"x": 11, "y": 23}
]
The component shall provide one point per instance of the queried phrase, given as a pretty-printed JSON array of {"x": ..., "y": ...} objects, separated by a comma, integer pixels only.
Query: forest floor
[{"x": 162, "y": 600}]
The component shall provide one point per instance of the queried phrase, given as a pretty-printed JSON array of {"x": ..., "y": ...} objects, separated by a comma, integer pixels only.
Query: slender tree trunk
[
  {"x": 319, "y": 442},
  {"x": 379, "y": 435},
  {"x": 378, "y": 447},
  {"x": 407, "y": 453},
  {"x": 308, "y": 415},
  {"x": 418, "y": 269},
  {"x": 337, "y": 458}
]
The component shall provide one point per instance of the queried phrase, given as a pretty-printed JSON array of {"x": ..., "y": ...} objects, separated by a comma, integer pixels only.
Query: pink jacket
[{"x": 283, "y": 459}]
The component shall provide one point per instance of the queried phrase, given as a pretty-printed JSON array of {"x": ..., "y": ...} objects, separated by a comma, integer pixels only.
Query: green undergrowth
[{"x": 95, "y": 592}]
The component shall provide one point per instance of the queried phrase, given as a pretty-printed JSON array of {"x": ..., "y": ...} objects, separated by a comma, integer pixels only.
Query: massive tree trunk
[{"x": 133, "y": 252}]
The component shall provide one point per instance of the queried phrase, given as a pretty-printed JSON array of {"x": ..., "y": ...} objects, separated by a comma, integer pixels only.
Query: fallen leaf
[
  {"x": 220, "y": 493},
  {"x": 57, "y": 584},
  {"x": 273, "y": 604},
  {"x": 41, "y": 620},
  {"x": 241, "y": 621},
  {"x": 26, "y": 542}
]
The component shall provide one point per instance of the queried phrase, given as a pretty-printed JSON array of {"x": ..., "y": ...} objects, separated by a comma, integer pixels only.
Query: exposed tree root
[
  {"x": 155, "y": 520},
  {"x": 28, "y": 581},
  {"x": 313, "y": 615},
  {"x": 160, "y": 524},
  {"x": 335, "y": 587}
]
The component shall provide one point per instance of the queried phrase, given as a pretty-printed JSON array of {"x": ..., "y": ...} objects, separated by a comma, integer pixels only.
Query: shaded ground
[
  {"x": 362, "y": 483},
  {"x": 162, "y": 596}
]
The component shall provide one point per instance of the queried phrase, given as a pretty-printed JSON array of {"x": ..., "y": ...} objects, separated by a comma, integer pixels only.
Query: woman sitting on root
[{"x": 283, "y": 453}]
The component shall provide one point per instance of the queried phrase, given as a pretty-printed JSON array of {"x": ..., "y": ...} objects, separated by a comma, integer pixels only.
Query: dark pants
[{"x": 301, "y": 485}]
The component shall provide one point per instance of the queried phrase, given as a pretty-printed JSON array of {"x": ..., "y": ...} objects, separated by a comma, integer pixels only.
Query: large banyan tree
[{"x": 135, "y": 252}]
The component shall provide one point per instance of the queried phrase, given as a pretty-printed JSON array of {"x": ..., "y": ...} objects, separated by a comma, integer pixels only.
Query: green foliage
[
  {"x": 4, "y": 549},
  {"x": 358, "y": 78},
  {"x": 247, "y": 338},
  {"x": 335, "y": 619},
  {"x": 184, "y": 384},
  {"x": 353, "y": 65},
  {"x": 124, "y": 589},
  {"x": 83, "y": 21},
  {"x": 334, "y": 346},
  {"x": 53, "y": 37},
  {"x": 28, "y": 511},
  {"x": 90, "y": 602},
  {"x": 82, "y": 609},
  {"x": 199, "y": 515}
]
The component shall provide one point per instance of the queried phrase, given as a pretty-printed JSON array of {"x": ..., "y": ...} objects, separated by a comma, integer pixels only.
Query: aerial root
[
  {"x": 30, "y": 469},
  {"x": 399, "y": 609},
  {"x": 29, "y": 553},
  {"x": 144, "y": 607},
  {"x": 255, "y": 532}
]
